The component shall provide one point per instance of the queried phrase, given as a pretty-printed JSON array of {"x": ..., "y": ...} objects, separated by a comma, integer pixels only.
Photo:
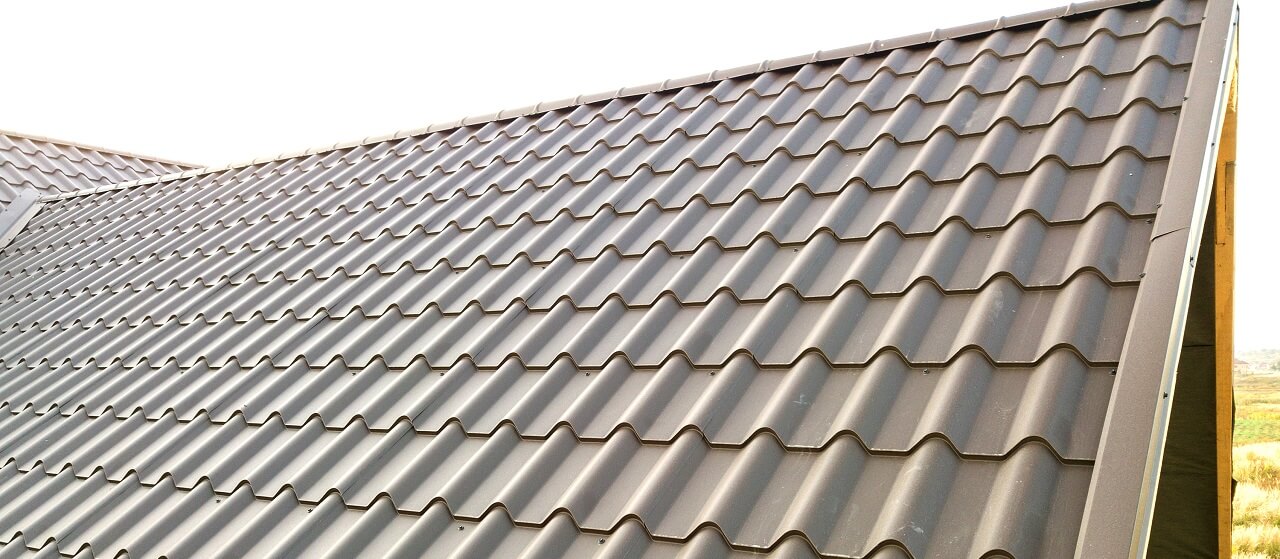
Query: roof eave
[{"x": 1121, "y": 500}]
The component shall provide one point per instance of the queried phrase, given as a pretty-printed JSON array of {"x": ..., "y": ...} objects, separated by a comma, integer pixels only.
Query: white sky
[{"x": 235, "y": 80}]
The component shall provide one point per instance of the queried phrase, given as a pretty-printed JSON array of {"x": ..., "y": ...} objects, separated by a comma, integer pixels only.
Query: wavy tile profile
[
  {"x": 54, "y": 166},
  {"x": 889, "y": 405},
  {"x": 860, "y": 305}
]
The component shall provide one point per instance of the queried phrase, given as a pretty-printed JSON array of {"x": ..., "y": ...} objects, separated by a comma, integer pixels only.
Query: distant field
[
  {"x": 1257, "y": 408},
  {"x": 1256, "y": 514}
]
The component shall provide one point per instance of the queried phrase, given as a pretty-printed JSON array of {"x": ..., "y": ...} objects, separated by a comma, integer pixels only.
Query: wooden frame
[{"x": 1224, "y": 302}]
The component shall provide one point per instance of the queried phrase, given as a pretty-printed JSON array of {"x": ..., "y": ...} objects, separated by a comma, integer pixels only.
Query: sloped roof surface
[
  {"x": 55, "y": 166},
  {"x": 867, "y": 306}
]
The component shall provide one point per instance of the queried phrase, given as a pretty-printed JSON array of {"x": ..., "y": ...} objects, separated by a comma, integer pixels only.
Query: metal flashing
[{"x": 15, "y": 215}]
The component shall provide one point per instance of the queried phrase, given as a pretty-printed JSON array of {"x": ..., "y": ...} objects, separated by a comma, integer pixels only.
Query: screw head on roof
[
  {"x": 1142, "y": 274},
  {"x": 1113, "y": 372},
  {"x": 460, "y": 528},
  {"x": 926, "y": 371},
  {"x": 601, "y": 540},
  {"x": 1150, "y": 220}
]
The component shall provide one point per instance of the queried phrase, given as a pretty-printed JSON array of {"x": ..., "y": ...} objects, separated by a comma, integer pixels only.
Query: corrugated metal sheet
[
  {"x": 869, "y": 306},
  {"x": 55, "y": 166}
]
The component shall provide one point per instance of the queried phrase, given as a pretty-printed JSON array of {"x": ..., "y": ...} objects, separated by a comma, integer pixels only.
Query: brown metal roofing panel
[
  {"x": 54, "y": 166},
  {"x": 887, "y": 404},
  {"x": 1007, "y": 323},
  {"x": 749, "y": 492},
  {"x": 71, "y": 514},
  {"x": 957, "y": 259},
  {"x": 844, "y": 305}
]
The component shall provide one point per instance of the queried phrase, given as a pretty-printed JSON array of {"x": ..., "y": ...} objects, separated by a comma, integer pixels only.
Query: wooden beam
[{"x": 1224, "y": 302}]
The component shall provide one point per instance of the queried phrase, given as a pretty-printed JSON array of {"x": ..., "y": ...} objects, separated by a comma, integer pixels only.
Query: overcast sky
[{"x": 236, "y": 80}]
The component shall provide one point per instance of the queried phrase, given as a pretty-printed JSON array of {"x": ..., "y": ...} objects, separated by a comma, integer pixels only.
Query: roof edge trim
[
  {"x": 1127, "y": 470},
  {"x": 15, "y": 216},
  {"x": 92, "y": 147},
  {"x": 873, "y": 47}
]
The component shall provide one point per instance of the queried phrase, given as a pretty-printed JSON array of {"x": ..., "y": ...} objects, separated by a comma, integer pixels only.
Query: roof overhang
[{"x": 1127, "y": 470}]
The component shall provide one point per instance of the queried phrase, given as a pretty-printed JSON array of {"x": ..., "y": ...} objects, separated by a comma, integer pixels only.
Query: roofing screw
[
  {"x": 926, "y": 371},
  {"x": 586, "y": 373},
  {"x": 460, "y": 528},
  {"x": 1142, "y": 274},
  {"x": 1150, "y": 220},
  {"x": 1166, "y": 395},
  {"x": 1113, "y": 372},
  {"x": 988, "y": 235},
  {"x": 1158, "y": 204},
  {"x": 602, "y": 540},
  {"x": 308, "y": 511},
  {"x": 713, "y": 373},
  {"x": 441, "y": 373}
]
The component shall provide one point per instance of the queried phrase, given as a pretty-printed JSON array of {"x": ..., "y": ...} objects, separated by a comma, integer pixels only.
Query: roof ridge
[
  {"x": 82, "y": 145},
  {"x": 863, "y": 49}
]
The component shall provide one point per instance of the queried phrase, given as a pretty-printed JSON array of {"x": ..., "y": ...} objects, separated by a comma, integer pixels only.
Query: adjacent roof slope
[
  {"x": 865, "y": 305},
  {"x": 55, "y": 166}
]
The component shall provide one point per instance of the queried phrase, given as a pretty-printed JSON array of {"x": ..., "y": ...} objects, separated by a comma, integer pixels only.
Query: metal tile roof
[
  {"x": 870, "y": 304},
  {"x": 56, "y": 166}
]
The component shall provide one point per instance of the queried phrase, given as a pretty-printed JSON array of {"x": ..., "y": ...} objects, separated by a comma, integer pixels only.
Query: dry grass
[{"x": 1255, "y": 522}]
